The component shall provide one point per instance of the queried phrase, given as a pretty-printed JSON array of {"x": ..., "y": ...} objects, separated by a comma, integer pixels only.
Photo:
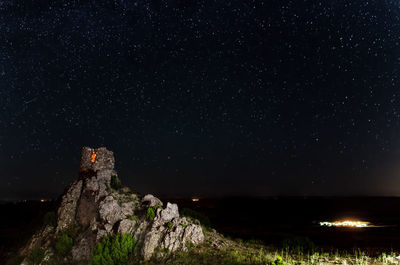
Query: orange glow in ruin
[
  {"x": 93, "y": 157},
  {"x": 346, "y": 223}
]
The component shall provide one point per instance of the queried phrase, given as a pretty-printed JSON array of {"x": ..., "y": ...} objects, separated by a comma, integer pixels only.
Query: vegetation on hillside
[
  {"x": 122, "y": 249},
  {"x": 115, "y": 250},
  {"x": 64, "y": 244},
  {"x": 115, "y": 183},
  {"x": 151, "y": 212}
]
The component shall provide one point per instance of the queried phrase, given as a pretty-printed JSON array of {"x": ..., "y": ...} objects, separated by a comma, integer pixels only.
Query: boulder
[
  {"x": 110, "y": 211},
  {"x": 182, "y": 234},
  {"x": 127, "y": 226},
  {"x": 151, "y": 201},
  {"x": 151, "y": 241},
  {"x": 168, "y": 214}
]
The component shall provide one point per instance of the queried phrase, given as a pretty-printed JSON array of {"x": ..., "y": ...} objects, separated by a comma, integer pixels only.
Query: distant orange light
[
  {"x": 93, "y": 157},
  {"x": 195, "y": 199},
  {"x": 42, "y": 200}
]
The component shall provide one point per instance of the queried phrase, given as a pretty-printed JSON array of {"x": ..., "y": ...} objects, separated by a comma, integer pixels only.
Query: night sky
[{"x": 202, "y": 97}]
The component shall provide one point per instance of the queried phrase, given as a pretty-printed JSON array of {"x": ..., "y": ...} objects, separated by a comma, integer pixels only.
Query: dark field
[
  {"x": 274, "y": 219},
  {"x": 267, "y": 219}
]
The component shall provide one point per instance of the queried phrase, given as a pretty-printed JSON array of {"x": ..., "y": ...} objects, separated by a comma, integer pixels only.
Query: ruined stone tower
[
  {"x": 95, "y": 208},
  {"x": 95, "y": 159}
]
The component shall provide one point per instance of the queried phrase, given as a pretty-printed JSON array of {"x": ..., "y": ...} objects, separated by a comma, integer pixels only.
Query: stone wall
[{"x": 95, "y": 159}]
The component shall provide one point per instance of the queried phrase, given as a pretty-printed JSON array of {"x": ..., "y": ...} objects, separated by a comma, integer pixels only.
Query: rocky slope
[{"x": 96, "y": 205}]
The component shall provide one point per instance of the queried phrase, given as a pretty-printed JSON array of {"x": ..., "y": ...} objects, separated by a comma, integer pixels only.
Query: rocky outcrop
[
  {"x": 67, "y": 210},
  {"x": 95, "y": 208},
  {"x": 178, "y": 236},
  {"x": 166, "y": 215},
  {"x": 151, "y": 201}
]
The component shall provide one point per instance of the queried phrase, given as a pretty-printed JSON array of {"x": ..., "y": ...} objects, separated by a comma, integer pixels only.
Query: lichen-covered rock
[
  {"x": 141, "y": 229},
  {"x": 151, "y": 241},
  {"x": 151, "y": 201},
  {"x": 110, "y": 211},
  {"x": 193, "y": 234},
  {"x": 97, "y": 185},
  {"x": 67, "y": 209},
  {"x": 217, "y": 241},
  {"x": 168, "y": 214},
  {"x": 182, "y": 234},
  {"x": 127, "y": 209},
  {"x": 82, "y": 250},
  {"x": 91, "y": 206},
  {"x": 39, "y": 239},
  {"x": 87, "y": 209},
  {"x": 101, "y": 234},
  {"x": 127, "y": 226}
]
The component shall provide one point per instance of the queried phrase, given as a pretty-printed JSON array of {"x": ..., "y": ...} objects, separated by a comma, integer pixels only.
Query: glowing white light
[
  {"x": 346, "y": 223},
  {"x": 195, "y": 199}
]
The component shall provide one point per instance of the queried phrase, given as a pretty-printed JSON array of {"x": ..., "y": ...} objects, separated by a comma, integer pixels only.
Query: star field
[{"x": 202, "y": 97}]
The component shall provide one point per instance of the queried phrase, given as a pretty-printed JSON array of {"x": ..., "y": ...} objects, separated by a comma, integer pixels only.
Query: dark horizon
[{"x": 202, "y": 97}]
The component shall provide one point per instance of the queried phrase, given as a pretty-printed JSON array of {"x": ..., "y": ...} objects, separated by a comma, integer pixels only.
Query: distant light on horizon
[
  {"x": 346, "y": 223},
  {"x": 195, "y": 199}
]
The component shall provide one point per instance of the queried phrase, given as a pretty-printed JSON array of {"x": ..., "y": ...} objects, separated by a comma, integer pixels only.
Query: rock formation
[{"x": 97, "y": 205}]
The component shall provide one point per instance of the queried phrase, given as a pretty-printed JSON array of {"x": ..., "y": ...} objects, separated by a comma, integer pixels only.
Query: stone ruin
[
  {"x": 93, "y": 160},
  {"x": 96, "y": 210}
]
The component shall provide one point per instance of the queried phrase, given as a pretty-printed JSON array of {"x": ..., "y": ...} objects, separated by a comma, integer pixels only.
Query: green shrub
[
  {"x": 204, "y": 221},
  {"x": 169, "y": 224},
  {"x": 115, "y": 250},
  {"x": 115, "y": 183},
  {"x": 36, "y": 256},
  {"x": 64, "y": 245},
  {"x": 151, "y": 212},
  {"x": 50, "y": 219}
]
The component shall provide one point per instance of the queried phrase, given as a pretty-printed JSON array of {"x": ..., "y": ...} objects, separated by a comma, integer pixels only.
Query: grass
[
  {"x": 204, "y": 254},
  {"x": 122, "y": 249}
]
